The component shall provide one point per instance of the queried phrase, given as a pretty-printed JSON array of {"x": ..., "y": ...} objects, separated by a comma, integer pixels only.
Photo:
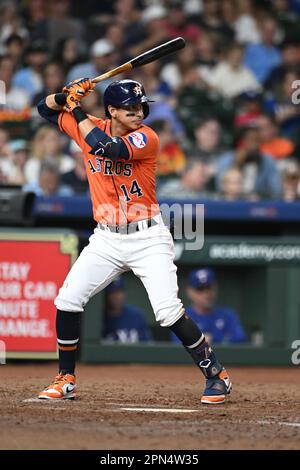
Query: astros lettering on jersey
[{"x": 122, "y": 191}]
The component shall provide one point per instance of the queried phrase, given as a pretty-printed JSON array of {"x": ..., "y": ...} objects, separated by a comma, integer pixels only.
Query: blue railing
[{"x": 80, "y": 206}]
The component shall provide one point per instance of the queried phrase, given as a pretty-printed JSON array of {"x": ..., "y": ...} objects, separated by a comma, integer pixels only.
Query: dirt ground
[{"x": 163, "y": 410}]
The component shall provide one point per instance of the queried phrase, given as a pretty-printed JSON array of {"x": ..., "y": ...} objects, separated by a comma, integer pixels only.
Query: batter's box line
[{"x": 279, "y": 423}]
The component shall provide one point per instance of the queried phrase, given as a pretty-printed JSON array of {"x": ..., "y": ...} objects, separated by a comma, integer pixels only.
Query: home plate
[{"x": 161, "y": 410}]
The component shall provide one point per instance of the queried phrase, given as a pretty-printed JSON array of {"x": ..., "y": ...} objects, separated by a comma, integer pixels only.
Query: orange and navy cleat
[
  {"x": 62, "y": 388},
  {"x": 216, "y": 389}
]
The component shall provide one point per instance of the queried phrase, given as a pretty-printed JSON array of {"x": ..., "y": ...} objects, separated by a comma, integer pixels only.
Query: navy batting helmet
[{"x": 125, "y": 93}]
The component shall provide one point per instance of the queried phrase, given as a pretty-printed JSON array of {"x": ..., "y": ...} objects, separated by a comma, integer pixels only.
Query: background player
[
  {"x": 120, "y": 157},
  {"x": 217, "y": 323},
  {"x": 123, "y": 323}
]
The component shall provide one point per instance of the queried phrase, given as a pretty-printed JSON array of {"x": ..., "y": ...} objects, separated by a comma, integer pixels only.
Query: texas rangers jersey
[
  {"x": 221, "y": 324},
  {"x": 128, "y": 327},
  {"x": 122, "y": 190}
]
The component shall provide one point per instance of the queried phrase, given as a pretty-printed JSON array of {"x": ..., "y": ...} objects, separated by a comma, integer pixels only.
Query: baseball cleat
[
  {"x": 216, "y": 389},
  {"x": 62, "y": 388}
]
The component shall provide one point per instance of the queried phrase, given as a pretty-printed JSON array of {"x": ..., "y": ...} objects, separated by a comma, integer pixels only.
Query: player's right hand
[{"x": 80, "y": 87}]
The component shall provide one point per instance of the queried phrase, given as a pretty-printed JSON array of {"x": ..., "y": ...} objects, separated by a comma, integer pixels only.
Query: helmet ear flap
[{"x": 146, "y": 109}]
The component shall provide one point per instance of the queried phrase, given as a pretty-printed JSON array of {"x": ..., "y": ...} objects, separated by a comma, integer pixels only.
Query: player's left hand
[
  {"x": 72, "y": 102},
  {"x": 80, "y": 87}
]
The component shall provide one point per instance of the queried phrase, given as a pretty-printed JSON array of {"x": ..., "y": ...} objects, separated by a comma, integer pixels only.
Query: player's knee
[
  {"x": 67, "y": 302},
  {"x": 166, "y": 315}
]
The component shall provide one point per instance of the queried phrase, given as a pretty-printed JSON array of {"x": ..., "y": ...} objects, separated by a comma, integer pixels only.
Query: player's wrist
[
  {"x": 79, "y": 114},
  {"x": 60, "y": 99}
]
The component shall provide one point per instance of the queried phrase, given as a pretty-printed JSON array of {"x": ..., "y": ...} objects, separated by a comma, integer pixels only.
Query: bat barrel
[{"x": 158, "y": 52}]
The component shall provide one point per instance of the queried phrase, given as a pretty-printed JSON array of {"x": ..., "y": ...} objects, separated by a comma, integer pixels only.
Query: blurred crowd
[{"x": 226, "y": 106}]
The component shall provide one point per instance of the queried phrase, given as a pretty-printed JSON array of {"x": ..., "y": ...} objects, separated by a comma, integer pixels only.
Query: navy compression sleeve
[
  {"x": 102, "y": 144},
  {"x": 47, "y": 113}
]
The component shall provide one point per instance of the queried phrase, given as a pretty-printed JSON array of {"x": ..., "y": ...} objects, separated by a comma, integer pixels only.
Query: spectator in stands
[
  {"x": 219, "y": 324},
  {"x": 76, "y": 178},
  {"x": 102, "y": 58},
  {"x": 30, "y": 78},
  {"x": 123, "y": 323},
  {"x": 171, "y": 159},
  {"x": 35, "y": 17},
  {"x": 48, "y": 183},
  {"x": 290, "y": 63},
  {"x": 17, "y": 160},
  {"x": 207, "y": 54},
  {"x": 115, "y": 34},
  {"x": 231, "y": 77},
  {"x": 5, "y": 156},
  {"x": 232, "y": 185},
  {"x": 281, "y": 105},
  {"x": 68, "y": 53},
  {"x": 248, "y": 109},
  {"x": 47, "y": 144},
  {"x": 163, "y": 106},
  {"x": 263, "y": 57},
  {"x": 260, "y": 174},
  {"x": 152, "y": 30},
  {"x": 14, "y": 48},
  {"x": 290, "y": 174},
  {"x": 271, "y": 142},
  {"x": 191, "y": 184},
  {"x": 207, "y": 145},
  {"x": 17, "y": 100},
  {"x": 178, "y": 24},
  {"x": 61, "y": 22},
  {"x": 211, "y": 20},
  {"x": 240, "y": 15},
  {"x": 127, "y": 13},
  {"x": 53, "y": 81},
  {"x": 10, "y": 22},
  {"x": 186, "y": 59},
  {"x": 286, "y": 17}
]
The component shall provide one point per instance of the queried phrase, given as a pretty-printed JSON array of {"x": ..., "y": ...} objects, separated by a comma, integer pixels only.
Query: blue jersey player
[
  {"x": 123, "y": 323},
  {"x": 219, "y": 324}
]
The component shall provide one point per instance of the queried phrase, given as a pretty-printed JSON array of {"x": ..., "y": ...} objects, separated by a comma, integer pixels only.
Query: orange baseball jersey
[{"x": 122, "y": 190}]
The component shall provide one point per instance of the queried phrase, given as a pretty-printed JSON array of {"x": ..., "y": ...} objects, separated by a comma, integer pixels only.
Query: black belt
[{"x": 129, "y": 228}]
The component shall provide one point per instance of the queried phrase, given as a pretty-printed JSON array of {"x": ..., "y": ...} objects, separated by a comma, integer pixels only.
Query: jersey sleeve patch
[{"x": 138, "y": 139}]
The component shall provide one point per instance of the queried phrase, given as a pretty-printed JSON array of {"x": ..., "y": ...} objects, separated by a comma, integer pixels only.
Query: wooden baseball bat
[{"x": 145, "y": 58}]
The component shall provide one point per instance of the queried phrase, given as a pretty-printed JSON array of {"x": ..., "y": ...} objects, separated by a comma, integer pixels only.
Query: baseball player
[
  {"x": 120, "y": 157},
  {"x": 216, "y": 322},
  {"x": 122, "y": 323}
]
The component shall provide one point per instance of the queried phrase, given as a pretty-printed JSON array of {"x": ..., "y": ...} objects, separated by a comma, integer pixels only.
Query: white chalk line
[
  {"x": 160, "y": 410},
  {"x": 279, "y": 423}
]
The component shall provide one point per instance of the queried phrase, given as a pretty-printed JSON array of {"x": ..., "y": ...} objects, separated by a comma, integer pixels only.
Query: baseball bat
[{"x": 145, "y": 58}]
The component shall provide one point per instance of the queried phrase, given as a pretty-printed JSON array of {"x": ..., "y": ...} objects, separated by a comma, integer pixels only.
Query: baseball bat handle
[
  {"x": 145, "y": 58},
  {"x": 111, "y": 73}
]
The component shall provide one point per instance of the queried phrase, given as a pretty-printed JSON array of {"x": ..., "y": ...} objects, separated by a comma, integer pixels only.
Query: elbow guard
[{"x": 102, "y": 144}]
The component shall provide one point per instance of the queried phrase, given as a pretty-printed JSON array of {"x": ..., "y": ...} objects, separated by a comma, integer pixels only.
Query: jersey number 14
[{"x": 134, "y": 189}]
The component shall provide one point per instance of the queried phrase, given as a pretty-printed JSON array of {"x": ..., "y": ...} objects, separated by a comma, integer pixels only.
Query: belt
[{"x": 132, "y": 227}]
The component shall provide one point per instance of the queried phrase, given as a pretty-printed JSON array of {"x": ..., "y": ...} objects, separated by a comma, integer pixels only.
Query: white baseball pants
[{"x": 149, "y": 253}]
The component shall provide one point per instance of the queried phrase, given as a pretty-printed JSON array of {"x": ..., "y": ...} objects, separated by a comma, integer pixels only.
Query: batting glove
[
  {"x": 80, "y": 87},
  {"x": 72, "y": 102}
]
